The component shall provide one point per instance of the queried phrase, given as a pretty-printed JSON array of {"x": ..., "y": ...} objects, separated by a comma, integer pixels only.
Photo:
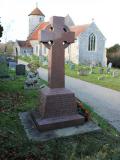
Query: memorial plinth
[{"x": 58, "y": 108}]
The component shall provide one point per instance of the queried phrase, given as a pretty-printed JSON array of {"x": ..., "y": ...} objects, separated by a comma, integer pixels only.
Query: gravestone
[
  {"x": 91, "y": 69},
  {"x": 110, "y": 65},
  {"x": 72, "y": 66},
  {"x": 115, "y": 74},
  {"x": 58, "y": 107},
  {"x": 3, "y": 67},
  {"x": 108, "y": 70},
  {"x": 101, "y": 78},
  {"x": 45, "y": 63},
  {"x": 20, "y": 69},
  {"x": 101, "y": 70},
  {"x": 12, "y": 65}
]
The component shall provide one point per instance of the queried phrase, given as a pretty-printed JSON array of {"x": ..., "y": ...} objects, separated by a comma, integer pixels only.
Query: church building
[{"x": 89, "y": 46}]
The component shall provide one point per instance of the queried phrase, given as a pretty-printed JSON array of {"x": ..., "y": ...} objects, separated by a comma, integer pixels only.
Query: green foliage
[
  {"x": 15, "y": 145},
  {"x": 1, "y": 31},
  {"x": 114, "y": 48},
  {"x": 115, "y": 61},
  {"x": 3, "y": 70},
  {"x": 113, "y": 55}
]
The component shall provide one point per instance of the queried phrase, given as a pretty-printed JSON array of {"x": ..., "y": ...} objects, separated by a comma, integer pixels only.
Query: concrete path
[{"x": 104, "y": 101}]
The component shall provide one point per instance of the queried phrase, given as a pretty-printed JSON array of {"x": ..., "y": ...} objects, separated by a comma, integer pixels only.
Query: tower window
[
  {"x": 40, "y": 19},
  {"x": 92, "y": 42}
]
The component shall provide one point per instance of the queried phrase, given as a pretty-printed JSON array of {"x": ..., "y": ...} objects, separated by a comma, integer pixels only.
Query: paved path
[{"x": 104, "y": 101}]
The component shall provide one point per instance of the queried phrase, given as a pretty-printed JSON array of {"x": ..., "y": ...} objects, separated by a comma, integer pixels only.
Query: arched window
[{"x": 92, "y": 42}]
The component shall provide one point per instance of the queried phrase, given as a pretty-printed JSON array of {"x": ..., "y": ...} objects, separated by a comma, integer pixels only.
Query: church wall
[
  {"x": 16, "y": 46},
  {"x": 99, "y": 55},
  {"x": 72, "y": 52},
  {"x": 36, "y": 47},
  {"x": 25, "y": 51}
]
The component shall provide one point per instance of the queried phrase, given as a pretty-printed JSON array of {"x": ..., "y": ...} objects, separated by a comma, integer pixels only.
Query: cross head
[{"x": 56, "y": 37}]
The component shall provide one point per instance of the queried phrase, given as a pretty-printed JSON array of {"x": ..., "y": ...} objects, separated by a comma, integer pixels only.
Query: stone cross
[{"x": 56, "y": 37}]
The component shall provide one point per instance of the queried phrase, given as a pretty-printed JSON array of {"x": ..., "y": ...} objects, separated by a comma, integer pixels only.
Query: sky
[{"x": 106, "y": 15}]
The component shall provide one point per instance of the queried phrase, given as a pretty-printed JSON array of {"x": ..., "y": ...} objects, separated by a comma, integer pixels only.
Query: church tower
[{"x": 35, "y": 18}]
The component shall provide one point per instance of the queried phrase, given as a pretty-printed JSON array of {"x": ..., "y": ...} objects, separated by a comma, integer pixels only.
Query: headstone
[
  {"x": 110, "y": 65},
  {"x": 32, "y": 81},
  {"x": 20, "y": 69},
  {"x": 101, "y": 78},
  {"x": 101, "y": 70},
  {"x": 115, "y": 74},
  {"x": 108, "y": 70},
  {"x": 84, "y": 71},
  {"x": 2, "y": 58},
  {"x": 91, "y": 70},
  {"x": 58, "y": 106},
  {"x": 72, "y": 66},
  {"x": 12, "y": 65},
  {"x": 45, "y": 63},
  {"x": 4, "y": 72}
]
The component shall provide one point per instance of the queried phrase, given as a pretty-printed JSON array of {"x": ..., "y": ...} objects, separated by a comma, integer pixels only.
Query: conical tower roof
[{"x": 37, "y": 11}]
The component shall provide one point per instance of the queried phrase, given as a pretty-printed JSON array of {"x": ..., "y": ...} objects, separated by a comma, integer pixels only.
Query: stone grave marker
[
  {"x": 101, "y": 70},
  {"x": 84, "y": 71},
  {"x": 45, "y": 63},
  {"x": 4, "y": 72},
  {"x": 32, "y": 81},
  {"x": 91, "y": 69},
  {"x": 20, "y": 69},
  {"x": 110, "y": 65},
  {"x": 101, "y": 78},
  {"x": 58, "y": 105},
  {"x": 12, "y": 65},
  {"x": 72, "y": 66},
  {"x": 115, "y": 74}
]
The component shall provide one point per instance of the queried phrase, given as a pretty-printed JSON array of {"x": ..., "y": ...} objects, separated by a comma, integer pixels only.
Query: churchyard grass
[
  {"x": 108, "y": 81},
  {"x": 14, "y": 144}
]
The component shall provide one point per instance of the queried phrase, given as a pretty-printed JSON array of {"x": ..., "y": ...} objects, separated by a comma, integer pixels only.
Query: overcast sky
[{"x": 106, "y": 14}]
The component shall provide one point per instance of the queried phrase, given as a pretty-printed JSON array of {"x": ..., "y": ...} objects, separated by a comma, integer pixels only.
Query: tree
[
  {"x": 114, "y": 49},
  {"x": 1, "y": 30}
]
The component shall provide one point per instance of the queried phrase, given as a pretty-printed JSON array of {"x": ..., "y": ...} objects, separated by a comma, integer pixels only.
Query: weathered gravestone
[
  {"x": 101, "y": 70},
  {"x": 20, "y": 69},
  {"x": 12, "y": 65},
  {"x": 109, "y": 67},
  {"x": 3, "y": 67},
  {"x": 72, "y": 66},
  {"x": 115, "y": 74},
  {"x": 45, "y": 63},
  {"x": 58, "y": 107},
  {"x": 33, "y": 81}
]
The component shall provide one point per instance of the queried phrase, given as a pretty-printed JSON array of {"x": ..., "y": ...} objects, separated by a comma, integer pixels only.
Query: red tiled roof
[
  {"x": 24, "y": 44},
  {"x": 79, "y": 29},
  {"x": 35, "y": 34},
  {"x": 37, "y": 11}
]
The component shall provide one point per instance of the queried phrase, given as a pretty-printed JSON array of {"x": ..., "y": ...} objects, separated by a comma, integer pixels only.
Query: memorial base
[{"x": 57, "y": 110}]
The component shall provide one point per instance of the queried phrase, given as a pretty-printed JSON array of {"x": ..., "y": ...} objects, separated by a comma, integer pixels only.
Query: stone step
[{"x": 56, "y": 122}]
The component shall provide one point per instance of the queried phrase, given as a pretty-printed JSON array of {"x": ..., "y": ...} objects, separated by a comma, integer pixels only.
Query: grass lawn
[
  {"x": 14, "y": 144},
  {"x": 109, "y": 81}
]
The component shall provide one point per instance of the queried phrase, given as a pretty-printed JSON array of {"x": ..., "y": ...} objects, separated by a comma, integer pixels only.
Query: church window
[{"x": 92, "y": 42}]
